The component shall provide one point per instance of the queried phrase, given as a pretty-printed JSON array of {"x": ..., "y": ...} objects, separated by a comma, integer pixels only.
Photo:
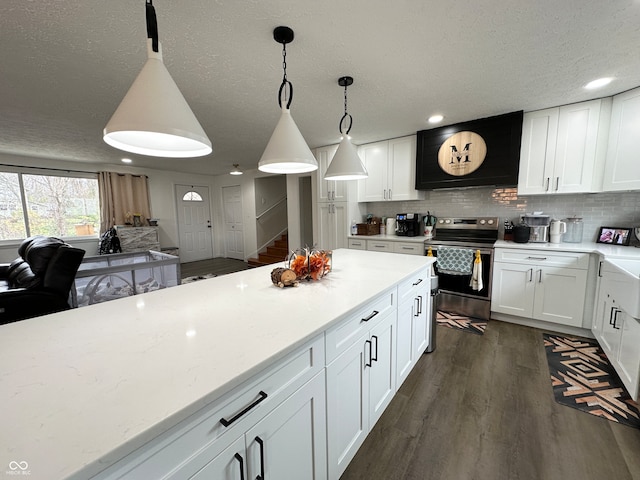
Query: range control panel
[{"x": 479, "y": 223}]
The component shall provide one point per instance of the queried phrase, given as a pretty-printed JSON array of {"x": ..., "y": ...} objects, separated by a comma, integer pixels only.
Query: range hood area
[{"x": 484, "y": 152}]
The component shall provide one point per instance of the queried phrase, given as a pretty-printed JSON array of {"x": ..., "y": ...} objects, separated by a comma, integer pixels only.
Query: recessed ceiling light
[
  {"x": 435, "y": 118},
  {"x": 600, "y": 82},
  {"x": 126, "y": 160}
]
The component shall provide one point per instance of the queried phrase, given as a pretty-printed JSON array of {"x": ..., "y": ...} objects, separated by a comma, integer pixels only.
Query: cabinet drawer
[
  {"x": 412, "y": 285},
  {"x": 408, "y": 248},
  {"x": 340, "y": 337},
  {"x": 357, "y": 244},
  {"x": 542, "y": 258},
  {"x": 243, "y": 407},
  {"x": 380, "y": 246}
]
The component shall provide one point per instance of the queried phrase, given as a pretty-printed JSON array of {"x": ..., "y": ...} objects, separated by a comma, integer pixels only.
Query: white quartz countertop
[
  {"x": 390, "y": 238},
  {"x": 81, "y": 389},
  {"x": 605, "y": 250}
]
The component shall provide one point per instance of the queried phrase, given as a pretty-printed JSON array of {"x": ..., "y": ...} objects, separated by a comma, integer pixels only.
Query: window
[
  {"x": 49, "y": 205},
  {"x": 192, "y": 197}
]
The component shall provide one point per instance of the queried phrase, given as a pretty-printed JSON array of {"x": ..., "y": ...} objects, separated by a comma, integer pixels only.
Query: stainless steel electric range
[{"x": 455, "y": 293}]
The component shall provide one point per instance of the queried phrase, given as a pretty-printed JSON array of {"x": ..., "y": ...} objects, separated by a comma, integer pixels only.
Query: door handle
[
  {"x": 546, "y": 189},
  {"x": 615, "y": 319},
  {"x": 261, "y": 443},
  {"x": 530, "y": 275},
  {"x": 416, "y": 303},
  {"x": 557, "y": 183},
  {"x": 375, "y": 359},
  {"x": 539, "y": 276},
  {"x": 419, "y": 304},
  {"x": 599, "y": 269},
  {"x": 240, "y": 460},
  {"x": 611, "y": 320},
  {"x": 389, "y": 194},
  {"x": 370, "y": 359}
]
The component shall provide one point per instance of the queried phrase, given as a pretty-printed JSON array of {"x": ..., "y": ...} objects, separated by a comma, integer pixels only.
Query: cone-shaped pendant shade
[
  {"x": 154, "y": 118},
  {"x": 346, "y": 164},
  {"x": 287, "y": 152}
]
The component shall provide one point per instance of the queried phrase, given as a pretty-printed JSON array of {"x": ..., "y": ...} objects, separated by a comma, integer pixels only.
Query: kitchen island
[{"x": 80, "y": 390}]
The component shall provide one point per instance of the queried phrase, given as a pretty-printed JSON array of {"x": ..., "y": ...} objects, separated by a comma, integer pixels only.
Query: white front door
[
  {"x": 233, "y": 228},
  {"x": 194, "y": 223}
]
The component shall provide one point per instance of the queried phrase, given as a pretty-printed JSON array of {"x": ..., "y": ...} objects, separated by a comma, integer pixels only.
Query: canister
[{"x": 574, "y": 230}]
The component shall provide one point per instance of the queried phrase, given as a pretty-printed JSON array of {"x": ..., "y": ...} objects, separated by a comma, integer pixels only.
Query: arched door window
[{"x": 192, "y": 197}]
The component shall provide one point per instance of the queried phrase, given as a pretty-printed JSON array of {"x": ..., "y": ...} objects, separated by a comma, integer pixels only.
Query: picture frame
[{"x": 614, "y": 235}]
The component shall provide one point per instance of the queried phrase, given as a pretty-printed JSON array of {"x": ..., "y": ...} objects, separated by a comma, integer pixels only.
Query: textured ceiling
[{"x": 66, "y": 64}]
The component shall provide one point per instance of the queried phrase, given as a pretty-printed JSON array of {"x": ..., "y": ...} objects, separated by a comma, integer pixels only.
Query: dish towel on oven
[
  {"x": 476, "y": 276},
  {"x": 455, "y": 261}
]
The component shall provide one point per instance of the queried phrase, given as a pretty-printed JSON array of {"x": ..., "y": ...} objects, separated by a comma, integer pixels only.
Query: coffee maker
[{"x": 408, "y": 224}]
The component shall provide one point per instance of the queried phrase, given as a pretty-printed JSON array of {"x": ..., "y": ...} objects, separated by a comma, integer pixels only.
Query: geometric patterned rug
[
  {"x": 583, "y": 378},
  {"x": 461, "y": 322}
]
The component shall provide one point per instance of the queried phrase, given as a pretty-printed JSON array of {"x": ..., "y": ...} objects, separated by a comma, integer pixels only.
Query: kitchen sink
[{"x": 624, "y": 277}]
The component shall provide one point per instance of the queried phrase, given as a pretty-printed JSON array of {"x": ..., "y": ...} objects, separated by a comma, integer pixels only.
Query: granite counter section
[{"x": 83, "y": 388}]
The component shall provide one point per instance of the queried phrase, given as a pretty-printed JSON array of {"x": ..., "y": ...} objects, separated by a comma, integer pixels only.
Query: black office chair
[{"x": 39, "y": 281}]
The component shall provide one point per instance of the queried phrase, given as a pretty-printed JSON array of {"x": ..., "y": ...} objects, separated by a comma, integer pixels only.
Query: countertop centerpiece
[{"x": 310, "y": 263}]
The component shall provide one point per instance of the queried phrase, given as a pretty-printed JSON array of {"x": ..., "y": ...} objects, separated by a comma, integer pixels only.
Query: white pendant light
[
  {"x": 287, "y": 151},
  {"x": 235, "y": 170},
  {"x": 346, "y": 164},
  {"x": 153, "y": 117}
]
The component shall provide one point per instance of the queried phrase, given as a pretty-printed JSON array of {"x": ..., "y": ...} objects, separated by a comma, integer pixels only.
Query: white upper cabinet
[
  {"x": 391, "y": 165},
  {"x": 563, "y": 148},
  {"x": 622, "y": 170},
  {"x": 330, "y": 190}
]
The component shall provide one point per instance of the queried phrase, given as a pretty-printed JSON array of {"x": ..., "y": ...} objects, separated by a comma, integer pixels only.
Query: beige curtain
[{"x": 121, "y": 197}]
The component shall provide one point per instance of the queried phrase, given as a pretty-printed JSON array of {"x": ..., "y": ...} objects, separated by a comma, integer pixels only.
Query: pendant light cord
[
  {"x": 346, "y": 115},
  {"x": 152, "y": 24},
  {"x": 285, "y": 83}
]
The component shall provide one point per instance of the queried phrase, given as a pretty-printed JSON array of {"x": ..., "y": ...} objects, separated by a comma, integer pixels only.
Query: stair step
[{"x": 277, "y": 251}]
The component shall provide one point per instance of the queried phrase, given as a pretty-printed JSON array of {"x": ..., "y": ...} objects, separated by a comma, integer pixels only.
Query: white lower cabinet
[
  {"x": 361, "y": 382},
  {"x": 548, "y": 286},
  {"x": 287, "y": 443},
  {"x": 412, "y": 333},
  {"x": 379, "y": 246},
  {"x": 618, "y": 333},
  {"x": 283, "y": 407}
]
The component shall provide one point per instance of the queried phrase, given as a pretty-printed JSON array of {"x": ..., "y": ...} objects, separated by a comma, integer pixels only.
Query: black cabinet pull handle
[
  {"x": 368, "y": 364},
  {"x": 418, "y": 282},
  {"x": 226, "y": 422},
  {"x": 375, "y": 359},
  {"x": 599, "y": 269},
  {"x": 419, "y": 304},
  {"x": 240, "y": 460},
  {"x": 375, "y": 312},
  {"x": 615, "y": 319},
  {"x": 261, "y": 443},
  {"x": 416, "y": 305},
  {"x": 613, "y": 309}
]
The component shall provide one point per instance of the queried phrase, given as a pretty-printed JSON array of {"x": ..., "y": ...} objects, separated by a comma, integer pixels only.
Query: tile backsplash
[{"x": 596, "y": 209}]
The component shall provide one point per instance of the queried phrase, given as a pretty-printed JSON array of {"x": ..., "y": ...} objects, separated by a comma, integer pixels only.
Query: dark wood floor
[
  {"x": 219, "y": 266},
  {"x": 481, "y": 408}
]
